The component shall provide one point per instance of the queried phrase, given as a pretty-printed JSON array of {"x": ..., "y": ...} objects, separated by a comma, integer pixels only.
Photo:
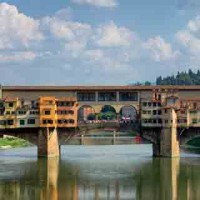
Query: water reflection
[{"x": 79, "y": 178}]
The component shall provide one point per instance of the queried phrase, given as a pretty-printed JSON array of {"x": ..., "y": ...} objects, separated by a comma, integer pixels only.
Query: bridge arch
[
  {"x": 107, "y": 112},
  {"x": 128, "y": 112},
  {"x": 86, "y": 112}
]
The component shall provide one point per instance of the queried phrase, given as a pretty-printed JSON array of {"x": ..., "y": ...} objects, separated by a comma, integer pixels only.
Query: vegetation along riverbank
[{"x": 11, "y": 142}]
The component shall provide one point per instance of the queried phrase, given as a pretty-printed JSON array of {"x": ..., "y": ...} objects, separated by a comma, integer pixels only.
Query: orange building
[
  {"x": 48, "y": 117},
  {"x": 67, "y": 112},
  {"x": 58, "y": 112}
]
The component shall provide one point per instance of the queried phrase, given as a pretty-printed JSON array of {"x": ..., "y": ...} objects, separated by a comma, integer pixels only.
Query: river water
[{"x": 98, "y": 173}]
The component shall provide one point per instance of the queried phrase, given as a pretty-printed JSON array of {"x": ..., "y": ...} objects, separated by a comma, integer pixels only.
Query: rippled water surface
[{"x": 99, "y": 172}]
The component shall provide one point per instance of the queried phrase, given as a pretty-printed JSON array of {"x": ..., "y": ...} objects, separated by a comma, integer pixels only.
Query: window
[
  {"x": 10, "y": 122},
  {"x": 182, "y": 121},
  {"x": 194, "y": 121},
  {"x": 193, "y": 111},
  {"x": 21, "y": 112},
  {"x": 58, "y": 112},
  {"x": 154, "y": 104},
  {"x": 59, "y": 121},
  {"x": 47, "y": 121},
  {"x": 62, "y": 121},
  {"x": 88, "y": 96},
  {"x": 107, "y": 96},
  {"x": 128, "y": 96},
  {"x": 22, "y": 122},
  {"x": 145, "y": 121},
  {"x": 13, "y": 112},
  {"x": 71, "y": 112},
  {"x": 47, "y": 112},
  {"x": 149, "y": 112},
  {"x": 165, "y": 110},
  {"x": 10, "y": 104},
  {"x": 33, "y": 112},
  {"x": 144, "y": 112},
  {"x": 166, "y": 121},
  {"x": 182, "y": 112},
  {"x": 71, "y": 121},
  {"x": 154, "y": 112},
  {"x": 149, "y": 104},
  {"x": 159, "y": 112},
  {"x": 31, "y": 121},
  {"x": 144, "y": 104},
  {"x": 2, "y": 122},
  {"x": 7, "y": 112}
]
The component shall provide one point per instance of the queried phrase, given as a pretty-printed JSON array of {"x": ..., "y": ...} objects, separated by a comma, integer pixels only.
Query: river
[{"x": 98, "y": 173}]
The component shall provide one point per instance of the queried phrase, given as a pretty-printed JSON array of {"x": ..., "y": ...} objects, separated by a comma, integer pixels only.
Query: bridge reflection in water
[{"x": 156, "y": 179}]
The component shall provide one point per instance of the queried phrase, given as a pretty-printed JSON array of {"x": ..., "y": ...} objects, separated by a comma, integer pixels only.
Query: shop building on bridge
[{"x": 59, "y": 106}]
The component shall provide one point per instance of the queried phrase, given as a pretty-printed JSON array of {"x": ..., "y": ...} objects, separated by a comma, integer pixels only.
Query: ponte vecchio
[{"x": 166, "y": 115}]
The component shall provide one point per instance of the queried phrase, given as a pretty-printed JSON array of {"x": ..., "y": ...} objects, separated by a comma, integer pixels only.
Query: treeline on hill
[{"x": 182, "y": 78}]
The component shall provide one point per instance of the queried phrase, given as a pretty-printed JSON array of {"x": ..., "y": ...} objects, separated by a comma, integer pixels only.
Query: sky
[{"x": 97, "y": 42}]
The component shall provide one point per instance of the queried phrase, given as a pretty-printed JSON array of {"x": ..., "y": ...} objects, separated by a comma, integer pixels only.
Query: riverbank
[{"x": 11, "y": 142}]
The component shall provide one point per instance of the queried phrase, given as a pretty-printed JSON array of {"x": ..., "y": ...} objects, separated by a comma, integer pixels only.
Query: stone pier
[
  {"x": 48, "y": 144},
  {"x": 168, "y": 144}
]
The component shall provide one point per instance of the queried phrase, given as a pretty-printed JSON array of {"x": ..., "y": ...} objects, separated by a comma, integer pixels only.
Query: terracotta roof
[
  {"x": 11, "y": 99},
  {"x": 92, "y": 88}
]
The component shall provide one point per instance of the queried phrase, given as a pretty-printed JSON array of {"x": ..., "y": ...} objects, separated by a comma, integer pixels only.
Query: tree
[
  {"x": 182, "y": 78},
  {"x": 147, "y": 83}
]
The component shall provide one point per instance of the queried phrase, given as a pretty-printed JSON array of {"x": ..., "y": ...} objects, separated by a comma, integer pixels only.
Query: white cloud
[
  {"x": 74, "y": 35},
  {"x": 18, "y": 56},
  {"x": 105, "y": 50},
  {"x": 110, "y": 35},
  {"x": 16, "y": 28},
  {"x": 194, "y": 25},
  {"x": 99, "y": 3},
  {"x": 160, "y": 50},
  {"x": 189, "y": 37}
]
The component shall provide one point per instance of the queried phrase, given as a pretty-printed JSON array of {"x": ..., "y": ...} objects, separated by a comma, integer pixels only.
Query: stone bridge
[{"x": 48, "y": 140}]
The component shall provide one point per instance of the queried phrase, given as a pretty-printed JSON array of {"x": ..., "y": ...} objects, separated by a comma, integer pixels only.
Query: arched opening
[
  {"x": 194, "y": 142},
  {"x": 85, "y": 113},
  {"x": 128, "y": 113},
  {"x": 107, "y": 113}
]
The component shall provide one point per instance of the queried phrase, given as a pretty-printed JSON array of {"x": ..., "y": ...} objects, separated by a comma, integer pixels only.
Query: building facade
[{"x": 59, "y": 106}]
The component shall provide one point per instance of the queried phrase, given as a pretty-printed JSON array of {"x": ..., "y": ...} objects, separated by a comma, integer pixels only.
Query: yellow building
[
  {"x": 11, "y": 106},
  {"x": 2, "y": 118}
]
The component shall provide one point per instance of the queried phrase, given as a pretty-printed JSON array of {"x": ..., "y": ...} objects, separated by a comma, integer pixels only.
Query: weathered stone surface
[{"x": 48, "y": 145}]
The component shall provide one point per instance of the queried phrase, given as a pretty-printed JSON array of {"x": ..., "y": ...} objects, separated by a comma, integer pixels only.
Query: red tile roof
[{"x": 93, "y": 88}]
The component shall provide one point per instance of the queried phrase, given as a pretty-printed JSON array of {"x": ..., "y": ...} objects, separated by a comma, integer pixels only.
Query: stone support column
[
  {"x": 48, "y": 145},
  {"x": 169, "y": 144},
  {"x": 117, "y": 96},
  {"x": 96, "y": 96}
]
